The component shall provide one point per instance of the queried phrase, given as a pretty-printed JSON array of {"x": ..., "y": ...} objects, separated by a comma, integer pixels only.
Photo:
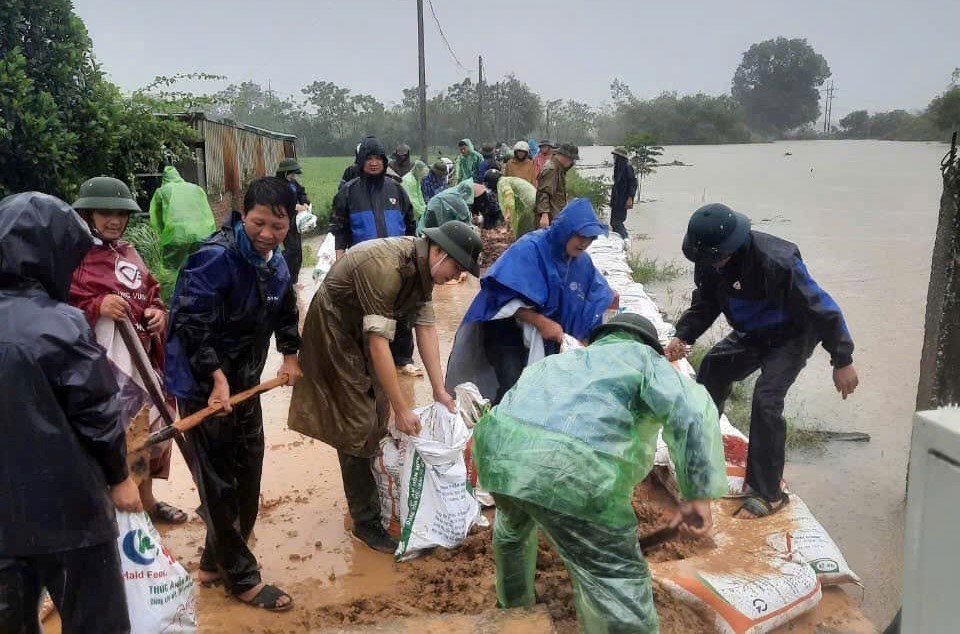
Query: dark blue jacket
[
  {"x": 371, "y": 207},
  {"x": 766, "y": 292},
  {"x": 223, "y": 312}
]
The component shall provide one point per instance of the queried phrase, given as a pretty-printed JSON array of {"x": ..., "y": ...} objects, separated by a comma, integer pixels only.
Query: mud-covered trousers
[
  {"x": 85, "y": 584},
  {"x": 228, "y": 456},
  {"x": 611, "y": 580},
  {"x": 734, "y": 359}
]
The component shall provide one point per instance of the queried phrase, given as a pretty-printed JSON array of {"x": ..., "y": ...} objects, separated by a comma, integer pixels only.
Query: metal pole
[
  {"x": 423, "y": 84},
  {"x": 480, "y": 100}
]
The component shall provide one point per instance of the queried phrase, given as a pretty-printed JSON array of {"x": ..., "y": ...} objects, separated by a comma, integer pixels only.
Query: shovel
[{"x": 191, "y": 421}]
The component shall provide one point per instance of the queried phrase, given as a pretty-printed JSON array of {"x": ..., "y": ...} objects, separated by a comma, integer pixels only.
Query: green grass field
[{"x": 321, "y": 176}]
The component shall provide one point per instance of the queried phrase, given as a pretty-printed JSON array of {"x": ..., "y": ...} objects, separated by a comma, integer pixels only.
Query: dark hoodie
[
  {"x": 370, "y": 207},
  {"x": 63, "y": 440}
]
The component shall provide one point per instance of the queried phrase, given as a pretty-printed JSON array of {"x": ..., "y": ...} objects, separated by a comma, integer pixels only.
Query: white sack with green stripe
[{"x": 438, "y": 506}]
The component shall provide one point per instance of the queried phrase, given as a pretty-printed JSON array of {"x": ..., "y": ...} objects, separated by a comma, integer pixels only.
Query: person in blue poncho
[{"x": 542, "y": 287}]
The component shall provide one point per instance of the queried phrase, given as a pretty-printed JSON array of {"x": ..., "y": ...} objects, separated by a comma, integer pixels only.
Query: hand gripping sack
[
  {"x": 161, "y": 596},
  {"x": 437, "y": 504}
]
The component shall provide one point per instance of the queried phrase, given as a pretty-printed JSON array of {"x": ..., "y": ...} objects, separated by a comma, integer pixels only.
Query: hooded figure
[
  {"x": 371, "y": 205},
  {"x": 64, "y": 446},
  {"x": 517, "y": 200},
  {"x": 450, "y": 204},
  {"x": 546, "y": 281},
  {"x": 468, "y": 163},
  {"x": 181, "y": 214},
  {"x": 521, "y": 165},
  {"x": 563, "y": 452},
  {"x": 411, "y": 183},
  {"x": 401, "y": 164}
]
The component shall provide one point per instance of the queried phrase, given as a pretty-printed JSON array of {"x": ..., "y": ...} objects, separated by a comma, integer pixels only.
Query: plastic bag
[
  {"x": 326, "y": 257},
  {"x": 306, "y": 221},
  {"x": 437, "y": 504},
  {"x": 161, "y": 596}
]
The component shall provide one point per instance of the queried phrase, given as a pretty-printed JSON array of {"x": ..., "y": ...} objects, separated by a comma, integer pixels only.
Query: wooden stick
[{"x": 196, "y": 418}]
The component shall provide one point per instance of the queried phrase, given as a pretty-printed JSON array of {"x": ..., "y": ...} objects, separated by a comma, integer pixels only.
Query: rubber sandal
[
  {"x": 759, "y": 507},
  {"x": 266, "y": 599},
  {"x": 167, "y": 514}
]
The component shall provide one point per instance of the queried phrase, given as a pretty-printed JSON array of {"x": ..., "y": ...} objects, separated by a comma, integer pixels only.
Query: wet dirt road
[{"x": 864, "y": 216}]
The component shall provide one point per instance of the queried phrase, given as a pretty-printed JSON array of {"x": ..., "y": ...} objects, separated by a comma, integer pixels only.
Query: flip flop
[
  {"x": 758, "y": 507},
  {"x": 167, "y": 514},
  {"x": 267, "y": 598}
]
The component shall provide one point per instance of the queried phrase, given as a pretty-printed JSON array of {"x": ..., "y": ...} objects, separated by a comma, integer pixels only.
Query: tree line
[{"x": 62, "y": 120}]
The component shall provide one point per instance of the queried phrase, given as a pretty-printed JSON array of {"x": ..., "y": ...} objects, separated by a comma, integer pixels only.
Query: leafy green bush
[
  {"x": 595, "y": 189},
  {"x": 647, "y": 270},
  {"x": 146, "y": 241}
]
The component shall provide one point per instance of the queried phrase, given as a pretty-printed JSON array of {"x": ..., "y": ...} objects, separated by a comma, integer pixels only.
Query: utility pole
[
  {"x": 423, "y": 84},
  {"x": 480, "y": 100},
  {"x": 828, "y": 109}
]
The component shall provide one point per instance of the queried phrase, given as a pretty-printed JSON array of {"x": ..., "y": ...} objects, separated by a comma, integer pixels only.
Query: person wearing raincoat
[
  {"x": 181, "y": 215},
  {"x": 546, "y": 151},
  {"x": 349, "y": 383},
  {"x": 112, "y": 282},
  {"x": 521, "y": 165},
  {"x": 63, "y": 459},
  {"x": 563, "y": 452},
  {"x": 411, "y": 183},
  {"x": 623, "y": 191},
  {"x": 233, "y": 296},
  {"x": 545, "y": 284},
  {"x": 552, "y": 183},
  {"x": 450, "y": 204},
  {"x": 517, "y": 199},
  {"x": 289, "y": 170},
  {"x": 434, "y": 182},
  {"x": 468, "y": 163}
]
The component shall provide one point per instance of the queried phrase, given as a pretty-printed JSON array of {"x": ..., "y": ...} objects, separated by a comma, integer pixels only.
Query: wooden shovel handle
[{"x": 196, "y": 418}]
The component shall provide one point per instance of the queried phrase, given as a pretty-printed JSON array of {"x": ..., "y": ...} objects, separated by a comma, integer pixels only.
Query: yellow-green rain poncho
[
  {"x": 563, "y": 452},
  {"x": 180, "y": 213},
  {"x": 517, "y": 198},
  {"x": 411, "y": 183},
  {"x": 452, "y": 203}
]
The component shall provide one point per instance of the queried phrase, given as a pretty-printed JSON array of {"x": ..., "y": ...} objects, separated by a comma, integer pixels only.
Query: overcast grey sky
[{"x": 884, "y": 54}]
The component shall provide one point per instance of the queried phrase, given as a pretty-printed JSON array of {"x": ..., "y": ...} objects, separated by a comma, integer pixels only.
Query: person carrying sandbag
[{"x": 563, "y": 452}]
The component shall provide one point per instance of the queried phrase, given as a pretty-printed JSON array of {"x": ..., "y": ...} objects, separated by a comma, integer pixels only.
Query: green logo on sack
[
  {"x": 822, "y": 566},
  {"x": 139, "y": 548}
]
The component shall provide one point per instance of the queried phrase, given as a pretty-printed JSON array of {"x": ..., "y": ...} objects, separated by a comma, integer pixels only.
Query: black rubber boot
[{"x": 373, "y": 535}]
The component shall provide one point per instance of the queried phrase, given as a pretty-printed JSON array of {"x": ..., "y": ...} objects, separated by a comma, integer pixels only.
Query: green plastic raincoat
[
  {"x": 411, "y": 183},
  {"x": 180, "y": 213},
  {"x": 468, "y": 167},
  {"x": 563, "y": 452},
  {"x": 452, "y": 203},
  {"x": 518, "y": 198}
]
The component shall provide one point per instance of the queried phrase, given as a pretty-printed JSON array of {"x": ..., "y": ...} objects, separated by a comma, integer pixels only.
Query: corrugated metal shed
[{"x": 230, "y": 155}]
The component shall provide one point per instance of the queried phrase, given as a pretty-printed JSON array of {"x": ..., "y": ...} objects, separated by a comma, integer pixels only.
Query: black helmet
[
  {"x": 289, "y": 165},
  {"x": 105, "y": 192},
  {"x": 633, "y": 324},
  {"x": 491, "y": 178},
  {"x": 460, "y": 242},
  {"x": 402, "y": 150},
  {"x": 715, "y": 232}
]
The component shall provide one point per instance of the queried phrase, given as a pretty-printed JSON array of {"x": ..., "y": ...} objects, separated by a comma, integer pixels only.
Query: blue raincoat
[{"x": 537, "y": 272}]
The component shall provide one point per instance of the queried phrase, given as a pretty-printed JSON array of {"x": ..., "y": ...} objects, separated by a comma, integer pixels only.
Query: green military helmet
[
  {"x": 289, "y": 165},
  {"x": 104, "y": 192},
  {"x": 460, "y": 242},
  {"x": 633, "y": 324}
]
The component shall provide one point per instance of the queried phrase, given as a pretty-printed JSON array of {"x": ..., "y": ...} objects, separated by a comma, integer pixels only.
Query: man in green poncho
[
  {"x": 450, "y": 204},
  {"x": 411, "y": 183},
  {"x": 468, "y": 163},
  {"x": 180, "y": 213},
  {"x": 563, "y": 452}
]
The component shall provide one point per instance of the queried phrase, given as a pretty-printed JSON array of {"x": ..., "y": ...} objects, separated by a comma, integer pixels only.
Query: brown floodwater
[{"x": 864, "y": 215}]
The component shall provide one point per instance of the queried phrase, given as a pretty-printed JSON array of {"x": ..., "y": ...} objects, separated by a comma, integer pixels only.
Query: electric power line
[{"x": 445, "y": 41}]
